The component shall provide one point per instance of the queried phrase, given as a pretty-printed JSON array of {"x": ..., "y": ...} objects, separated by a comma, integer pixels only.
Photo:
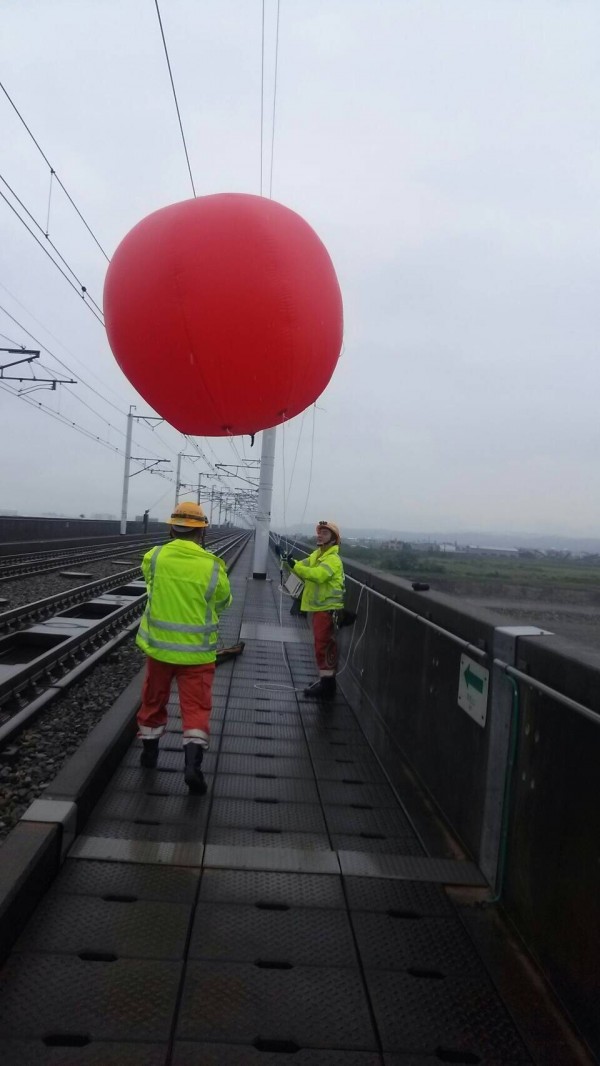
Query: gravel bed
[
  {"x": 29, "y": 589},
  {"x": 61, "y": 728}
]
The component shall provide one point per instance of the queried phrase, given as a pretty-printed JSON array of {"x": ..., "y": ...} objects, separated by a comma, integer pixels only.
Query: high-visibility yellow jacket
[
  {"x": 323, "y": 575},
  {"x": 188, "y": 588}
]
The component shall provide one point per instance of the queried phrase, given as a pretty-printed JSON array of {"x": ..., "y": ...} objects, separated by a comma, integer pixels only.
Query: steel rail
[
  {"x": 69, "y": 660},
  {"x": 38, "y": 610},
  {"x": 25, "y": 569}
]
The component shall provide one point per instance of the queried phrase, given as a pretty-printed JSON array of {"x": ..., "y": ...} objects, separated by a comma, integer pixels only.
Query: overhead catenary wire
[
  {"x": 81, "y": 294},
  {"x": 274, "y": 104},
  {"x": 71, "y": 354},
  {"x": 58, "y": 360},
  {"x": 83, "y": 287},
  {"x": 53, "y": 172},
  {"x": 162, "y": 33}
]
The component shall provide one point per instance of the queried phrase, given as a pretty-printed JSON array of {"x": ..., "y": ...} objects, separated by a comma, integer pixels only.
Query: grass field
[{"x": 542, "y": 572}]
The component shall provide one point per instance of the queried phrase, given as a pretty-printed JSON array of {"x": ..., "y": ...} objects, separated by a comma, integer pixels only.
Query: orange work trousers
[
  {"x": 194, "y": 684},
  {"x": 326, "y": 651}
]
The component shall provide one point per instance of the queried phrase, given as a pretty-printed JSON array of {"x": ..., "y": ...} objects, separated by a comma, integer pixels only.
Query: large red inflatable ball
[{"x": 225, "y": 313}]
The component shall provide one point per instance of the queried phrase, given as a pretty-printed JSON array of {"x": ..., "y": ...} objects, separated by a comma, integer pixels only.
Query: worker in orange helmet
[
  {"x": 188, "y": 588},
  {"x": 323, "y": 594}
]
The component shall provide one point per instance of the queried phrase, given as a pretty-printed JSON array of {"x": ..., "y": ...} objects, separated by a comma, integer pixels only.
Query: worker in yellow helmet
[
  {"x": 323, "y": 593},
  {"x": 188, "y": 588}
]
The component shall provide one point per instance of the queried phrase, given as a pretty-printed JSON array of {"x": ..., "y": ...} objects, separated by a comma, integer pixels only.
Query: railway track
[
  {"x": 39, "y": 662},
  {"x": 22, "y": 566}
]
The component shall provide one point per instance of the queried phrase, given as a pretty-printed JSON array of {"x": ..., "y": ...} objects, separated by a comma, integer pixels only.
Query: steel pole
[
  {"x": 126, "y": 471},
  {"x": 263, "y": 506},
  {"x": 199, "y": 487}
]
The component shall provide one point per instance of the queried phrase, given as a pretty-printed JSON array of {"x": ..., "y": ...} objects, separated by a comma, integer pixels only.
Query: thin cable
[
  {"x": 274, "y": 104},
  {"x": 62, "y": 419},
  {"x": 262, "y": 94},
  {"x": 53, "y": 171},
  {"x": 46, "y": 252},
  {"x": 60, "y": 361},
  {"x": 175, "y": 96},
  {"x": 63, "y": 346},
  {"x": 83, "y": 287},
  {"x": 295, "y": 456}
]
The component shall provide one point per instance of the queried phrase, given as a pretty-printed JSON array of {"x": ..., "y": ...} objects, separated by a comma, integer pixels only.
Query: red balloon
[{"x": 225, "y": 313}]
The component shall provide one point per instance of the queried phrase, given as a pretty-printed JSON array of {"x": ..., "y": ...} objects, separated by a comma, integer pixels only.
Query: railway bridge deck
[{"x": 307, "y": 910}]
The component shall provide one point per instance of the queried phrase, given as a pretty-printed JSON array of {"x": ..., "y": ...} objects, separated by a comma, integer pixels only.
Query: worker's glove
[{"x": 286, "y": 560}]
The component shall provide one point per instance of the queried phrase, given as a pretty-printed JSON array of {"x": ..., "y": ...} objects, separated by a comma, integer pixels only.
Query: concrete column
[{"x": 263, "y": 506}]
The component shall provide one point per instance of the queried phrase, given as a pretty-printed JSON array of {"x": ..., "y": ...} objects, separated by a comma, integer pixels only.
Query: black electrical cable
[
  {"x": 81, "y": 294},
  {"x": 83, "y": 287},
  {"x": 175, "y": 96},
  {"x": 60, "y": 361},
  {"x": 53, "y": 172}
]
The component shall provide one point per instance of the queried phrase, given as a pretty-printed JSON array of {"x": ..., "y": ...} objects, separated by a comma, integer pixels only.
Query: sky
[{"x": 447, "y": 154}]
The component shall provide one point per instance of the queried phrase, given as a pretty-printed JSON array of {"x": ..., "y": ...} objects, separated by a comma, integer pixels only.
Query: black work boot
[
  {"x": 313, "y": 692},
  {"x": 328, "y": 688},
  {"x": 194, "y": 778},
  {"x": 323, "y": 689},
  {"x": 149, "y": 754}
]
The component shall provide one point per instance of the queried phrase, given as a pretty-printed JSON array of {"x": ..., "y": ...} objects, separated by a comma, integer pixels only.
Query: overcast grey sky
[{"x": 446, "y": 152}]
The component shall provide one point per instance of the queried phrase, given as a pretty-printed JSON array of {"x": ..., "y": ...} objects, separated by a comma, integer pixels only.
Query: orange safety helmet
[
  {"x": 188, "y": 514},
  {"x": 331, "y": 526}
]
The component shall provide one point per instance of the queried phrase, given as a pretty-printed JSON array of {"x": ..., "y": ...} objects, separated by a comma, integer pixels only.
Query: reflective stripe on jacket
[
  {"x": 323, "y": 575},
  {"x": 188, "y": 588}
]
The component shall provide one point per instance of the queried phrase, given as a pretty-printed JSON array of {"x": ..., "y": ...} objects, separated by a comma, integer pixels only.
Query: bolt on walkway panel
[{"x": 292, "y": 915}]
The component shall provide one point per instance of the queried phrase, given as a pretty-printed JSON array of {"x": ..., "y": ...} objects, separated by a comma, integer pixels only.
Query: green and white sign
[{"x": 473, "y": 689}]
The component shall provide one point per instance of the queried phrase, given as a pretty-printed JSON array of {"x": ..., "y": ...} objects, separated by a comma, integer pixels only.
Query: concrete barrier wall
[
  {"x": 26, "y": 527},
  {"x": 533, "y": 827}
]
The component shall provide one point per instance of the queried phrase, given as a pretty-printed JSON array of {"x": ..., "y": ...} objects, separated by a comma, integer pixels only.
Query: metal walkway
[{"x": 291, "y": 916}]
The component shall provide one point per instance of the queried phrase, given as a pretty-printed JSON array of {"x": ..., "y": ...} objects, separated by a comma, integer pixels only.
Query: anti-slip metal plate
[
  {"x": 185, "y": 832},
  {"x": 36, "y": 1053},
  {"x": 407, "y": 941},
  {"x": 284, "y": 789},
  {"x": 129, "y": 807},
  {"x": 290, "y": 749},
  {"x": 262, "y": 730},
  {"x": 188, "y": 1054},
  {"x": 259, "y": 886},
  {"x": 267, "y": 631},
  {"x": 149, "y": 782},
  {"x": 107, "y": 849},
  {"x": 345, "y": 793},
  {"x": 138, "y": 929},
  {"x": 379, "y": 843},
  {"x": 421, "y": 1014},
  {"x": 39, "y": 993},
  {"x": 265, "y": 764},
  {"x": 268, "y": 814},
  {"x": 312, "y": 1007},
  {"x": 354, "y": 820},
  {"x": 347, "y": 768},
  {"x": 284, "y": 858},
  {"x": 368, "y": 894},
  {"x": 410, "y": 868},
  {"x": 117, "y": 879},
  {"x": 266, "y": 837},
  {"x": 294, "y": 937}
]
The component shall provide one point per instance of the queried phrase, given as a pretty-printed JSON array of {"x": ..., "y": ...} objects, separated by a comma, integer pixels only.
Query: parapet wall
[{"x": 520, "y": 790}]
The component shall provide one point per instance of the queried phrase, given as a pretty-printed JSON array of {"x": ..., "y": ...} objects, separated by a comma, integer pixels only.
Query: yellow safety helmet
[
  {"x": 331, "y": 526},
  {"x": 190, "y": 515}
]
